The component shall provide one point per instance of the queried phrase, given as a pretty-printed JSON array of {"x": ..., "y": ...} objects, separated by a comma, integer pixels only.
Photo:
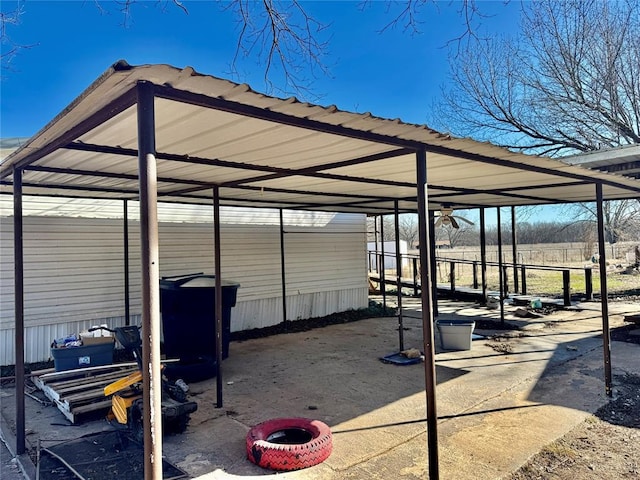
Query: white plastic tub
[{"x": 455, "y": 334}]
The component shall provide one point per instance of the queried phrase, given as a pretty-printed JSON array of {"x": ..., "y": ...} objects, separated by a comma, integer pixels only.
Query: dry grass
[{"x": 548, "y": 282}]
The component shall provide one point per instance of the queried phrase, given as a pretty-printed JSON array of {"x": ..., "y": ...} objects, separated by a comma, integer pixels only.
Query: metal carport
[{"x": 155, "y": 132}]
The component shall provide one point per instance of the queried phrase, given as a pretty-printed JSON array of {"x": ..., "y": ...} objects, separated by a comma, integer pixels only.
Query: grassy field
[{"x": 549, "y": 283}]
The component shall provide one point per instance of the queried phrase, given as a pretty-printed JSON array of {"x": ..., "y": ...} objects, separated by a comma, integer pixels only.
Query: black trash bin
[{"x": 188, "y": 306}]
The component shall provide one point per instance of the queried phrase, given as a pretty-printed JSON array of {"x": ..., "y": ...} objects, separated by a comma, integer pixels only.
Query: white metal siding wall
[{"x": 74, "y": 270}]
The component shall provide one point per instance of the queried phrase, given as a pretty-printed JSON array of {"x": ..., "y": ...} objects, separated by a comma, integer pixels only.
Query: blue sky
[{"x": 392, "y": 74}]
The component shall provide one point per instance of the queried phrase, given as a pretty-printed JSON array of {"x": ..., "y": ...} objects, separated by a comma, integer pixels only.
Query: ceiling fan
[{"x": 447, "y": 217}]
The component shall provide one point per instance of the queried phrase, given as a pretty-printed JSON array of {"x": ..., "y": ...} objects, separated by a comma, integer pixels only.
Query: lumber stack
[{"x": 79, "y": 392}]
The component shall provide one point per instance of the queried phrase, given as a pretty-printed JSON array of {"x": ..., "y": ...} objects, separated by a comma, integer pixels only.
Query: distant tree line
[{"x": 535, "y": 233}]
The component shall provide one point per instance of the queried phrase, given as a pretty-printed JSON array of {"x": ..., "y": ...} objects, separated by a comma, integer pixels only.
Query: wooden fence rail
[{"x": 378, "y": 267}]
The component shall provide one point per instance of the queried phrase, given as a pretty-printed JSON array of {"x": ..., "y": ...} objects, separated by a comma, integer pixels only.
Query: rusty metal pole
[
  {"x": 483, "y": 255},
  {"x": 18, "y": 259},
  {"x": 500, "y": 269},
  {"x": 514, "y": 250},
  {"x": 218, "y": 293},
  {"x": 398, "y": 274},
  {"x": 427, "y": 316},
  {"x": 151, "y": 375},
  {"x": 604, "y": 295},
  {"x": 432, "y": 259},
  {"x": 383, "y": 278},
  {"x": 283, "y": 272},
  {"x": 375, "y": 239},
  {"x": 125, "y": 234}
]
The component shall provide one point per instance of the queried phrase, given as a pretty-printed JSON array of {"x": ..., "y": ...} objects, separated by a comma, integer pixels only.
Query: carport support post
[
  {"x": 514, "y": 249},
  {"x": 433, "y": 265},
  {"x": 152, "y": 383},
  {"x": 604, "y": 299},
  {"x": 125, "y": 234},
  {"x": 483, "y": 255},
  {"x": 283, "y": 272},
  {"x": 218, "y": 293},
  {"x": 503, "y": 293},
  {"x": 18, "y": 259},
  {"x": 398, "y": 274},
  {"x": 375, "y": 238},
  {"x": 383, "y": 287},
  {"x": 427, "y": 316}
]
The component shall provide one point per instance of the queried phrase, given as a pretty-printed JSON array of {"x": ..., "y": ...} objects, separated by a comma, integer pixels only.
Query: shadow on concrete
[
  {"x": 576, "y": 367},
  {"x": 440, "y": 417}
]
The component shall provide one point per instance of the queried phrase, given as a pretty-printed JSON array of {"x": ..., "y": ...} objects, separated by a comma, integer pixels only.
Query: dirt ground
[{"x": 605, "y": 445}]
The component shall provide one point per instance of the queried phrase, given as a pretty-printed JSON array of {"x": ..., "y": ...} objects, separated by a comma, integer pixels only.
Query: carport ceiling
[{"x": 280, "y": 153}]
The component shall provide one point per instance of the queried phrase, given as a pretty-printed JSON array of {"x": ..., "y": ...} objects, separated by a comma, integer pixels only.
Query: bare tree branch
[
  {"x": 9, "y": 48},
  {"x": 569, "y": 83},
  {"x": 621, "y": 217},
  {"x": 407, "y": 14},
  {"x": 282, "y": 37}
]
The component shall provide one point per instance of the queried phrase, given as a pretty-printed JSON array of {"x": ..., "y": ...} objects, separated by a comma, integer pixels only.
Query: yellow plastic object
[
  {"x": 132, "y": 378},
  {"x": 120, "y": 406}
]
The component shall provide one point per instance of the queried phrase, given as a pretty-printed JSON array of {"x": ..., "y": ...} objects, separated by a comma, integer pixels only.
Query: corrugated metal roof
[
  {"x": 623, "y": 160},
  {"x": 281, "y": 153}
]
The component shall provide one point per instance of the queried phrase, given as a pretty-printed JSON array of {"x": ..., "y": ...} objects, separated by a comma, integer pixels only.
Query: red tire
[{"x": 289, "y": 443}]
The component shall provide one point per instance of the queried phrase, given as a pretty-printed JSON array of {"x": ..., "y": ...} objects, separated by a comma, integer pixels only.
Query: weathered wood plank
[
  {"x": 91, "y": 407},
  {"x": 80, "y": 391},
  {"x": 78, "y": 383},
  {"x": 84, "y": 371},
  {"x": 95, "y": 393}
]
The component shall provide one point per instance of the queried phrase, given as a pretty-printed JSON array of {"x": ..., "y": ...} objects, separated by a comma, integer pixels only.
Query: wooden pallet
[{"x": 80, "y": 391}]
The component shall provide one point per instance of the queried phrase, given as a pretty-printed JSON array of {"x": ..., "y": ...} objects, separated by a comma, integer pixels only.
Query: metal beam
[
  {"x": 328, "y": 166},
  {"x": 218, "y": 294},
  {"x": 507, "y": 192},
  {"x": 200, "y": 185},
  {"x": 514, "y": 249},
  {"x": 383, "y": 287},
  {"x": 151, "y": 374},
  {"x": 283, "y": 272},
  {"x": 427, "y": 317},
  {"x": 122, "y": 176},
  {"x": 359, "y": 196},
  {"x": 196, "y": 185},
  {"x": 433, "y": 266},
  {"x": 500, "y": 270},
  {"x": 82, "y": 188},
  {"x": 119, "y": 105},
  {"x": 396, "y": 224},
  {"x": 18, "y": 259},
  {"x": 125, "y": 234},
  {"x": 275, "y": 171},
  {"x": 483, "y": 254},
  {"x": 217, "y": 103},
  {"x": 604, "y": 294}
]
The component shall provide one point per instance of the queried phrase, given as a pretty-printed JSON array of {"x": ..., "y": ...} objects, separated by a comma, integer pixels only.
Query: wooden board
[{"x": 81, "y": 391}]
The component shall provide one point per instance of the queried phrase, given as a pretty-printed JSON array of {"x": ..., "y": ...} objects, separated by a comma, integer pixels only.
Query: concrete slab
[{"x": 498, "y": 403}]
